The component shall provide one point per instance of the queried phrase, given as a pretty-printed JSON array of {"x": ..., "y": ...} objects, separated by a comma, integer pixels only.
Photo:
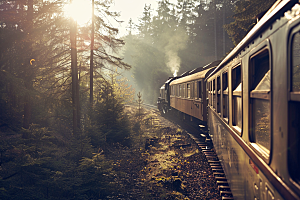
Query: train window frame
[
  {"x": 218, "y": 91},
  {"x": 236, "y": 92},
  {"x": 184, "y": 90},
  {"x": 195, "y": 90},
  {"x": 188, "y": 90},
  {"x": 225, "y": 91},
  {"x": 293, "y": 154},
  {"x": 192, "y": 90},
  {"x": 209, "y": 93},
  {"x": 180, "y": 90},
  {"x": 200, "y": 90},
  {"x": 214, "y": 94},
  {"x": 264, "y": 95}
]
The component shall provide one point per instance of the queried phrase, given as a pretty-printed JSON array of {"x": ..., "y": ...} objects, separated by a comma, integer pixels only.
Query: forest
[
  {"x": 63, "y": 87},
  {"x": 185, "y": 36}
]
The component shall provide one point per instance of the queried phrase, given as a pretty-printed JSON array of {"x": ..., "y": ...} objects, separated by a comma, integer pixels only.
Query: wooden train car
[
  {"x": 254, "y": 108},
  {"x": 187, "y": 94}
]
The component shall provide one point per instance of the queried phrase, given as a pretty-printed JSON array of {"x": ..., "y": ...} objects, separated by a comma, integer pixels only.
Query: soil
[{"x": 165, "y": 164}]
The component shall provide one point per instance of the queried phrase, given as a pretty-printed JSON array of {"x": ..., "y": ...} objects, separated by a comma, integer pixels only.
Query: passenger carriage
[
  {"x": 188, "y": 96},
  {"x": 254, "y": 108}
]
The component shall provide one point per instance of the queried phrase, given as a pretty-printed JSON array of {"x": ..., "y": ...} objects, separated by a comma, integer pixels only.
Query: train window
[
  {"x": 173, "y": 90},
  {"x": 296, "y": 63},
  {"x": 294, "y": 111},
  {"x": 218, "y": 94},
  {"x": 211, "y": 93},
  {"x": 214, "y": 93},
  {"x": 184, "y": 90},
  {"x": 180, "y": 91},
  {"x": 225, "y": 95},
  {"x": 200, "y": 90},
  {"x": 195, "y": 90},
  {"x": 260, "y": 103},
  {"x": 237, "y": 98},
  {"x": 188, "y": 90},
  {"x": 208, "y": 96},
  {"x": 192, "y": 90}
]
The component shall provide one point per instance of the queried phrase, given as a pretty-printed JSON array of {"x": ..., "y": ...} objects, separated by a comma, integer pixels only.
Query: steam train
[{"x": 251, "y": 104}]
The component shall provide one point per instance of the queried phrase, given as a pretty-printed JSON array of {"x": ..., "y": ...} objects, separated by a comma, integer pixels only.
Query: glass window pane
[
  {"x": 264, "y": 84},
  {"x": 214, "y": 93},
  {"x": 236, "y": 77},
  {"x": 180, "y": 91},
  {"x": 195, "y": 90},
  {"x": 260, "y": 67},
  {"x": 261, "y": 122},
  {"x": 225, "y": 95},
  {"x": 294, "y": 140},
  {"x": 200, "y": 90},
  {"x": 188, "y": 91},
  {"x": 296, "y": 63},
  {"x": 237, "y": 111},
  {"x": 218, "y": 94},
  {"x": 225, "y": 106},
  {"x": 238, "y": 88}
]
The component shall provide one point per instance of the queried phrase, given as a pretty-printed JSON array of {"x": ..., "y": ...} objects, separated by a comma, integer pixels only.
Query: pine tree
[{"x": 245, "y": 16}]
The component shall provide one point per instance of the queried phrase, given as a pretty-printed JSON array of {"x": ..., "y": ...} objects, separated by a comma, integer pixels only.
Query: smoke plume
[{"x": 176, "y": 41}]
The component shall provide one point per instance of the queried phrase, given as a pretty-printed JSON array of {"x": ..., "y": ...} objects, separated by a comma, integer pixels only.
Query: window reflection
[
  {"x": 296, "y": 63},
  {"x": 188, "y": 91},
  {"x": 260, "y": 77},
  {"x": 237, "y": 97},
  {"x": 261, "y": 122},
  {"x": 238, "y": 111},
  {"x": 225, "y": 95}
]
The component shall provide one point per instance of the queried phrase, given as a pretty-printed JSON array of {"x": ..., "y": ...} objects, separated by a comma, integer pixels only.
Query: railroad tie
[
  {"x": 225, "y": 193},
  {"x": 227, "y": 198}
]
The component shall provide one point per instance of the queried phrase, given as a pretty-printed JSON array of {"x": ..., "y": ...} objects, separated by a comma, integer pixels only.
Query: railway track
[{"x": 198, "y": 135}]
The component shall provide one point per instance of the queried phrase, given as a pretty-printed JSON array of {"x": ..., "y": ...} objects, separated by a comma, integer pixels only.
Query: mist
[{"x": 177, "y": 41}]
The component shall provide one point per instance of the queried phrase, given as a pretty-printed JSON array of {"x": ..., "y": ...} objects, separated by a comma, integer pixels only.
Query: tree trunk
[
  {"x": 74, "y": 75},
  {"x": 29, "y": 71},
  {"x": 92, "y": 58}
]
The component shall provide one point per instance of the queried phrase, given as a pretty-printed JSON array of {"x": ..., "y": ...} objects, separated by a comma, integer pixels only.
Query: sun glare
[{"x": 79, "y": 10}]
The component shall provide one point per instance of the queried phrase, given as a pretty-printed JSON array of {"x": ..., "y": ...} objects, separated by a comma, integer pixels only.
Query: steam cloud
[{"x": 177, "y": 41}]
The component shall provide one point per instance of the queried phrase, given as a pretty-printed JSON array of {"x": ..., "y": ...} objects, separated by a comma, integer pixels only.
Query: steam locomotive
[{"x": 251, "y": 104}]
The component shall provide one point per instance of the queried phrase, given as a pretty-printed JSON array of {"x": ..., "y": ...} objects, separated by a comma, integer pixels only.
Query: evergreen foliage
[
  {"x": 40, "y": 155},
  {"x": 245, "y": 17},
  {"x": 177, "y": 38}
]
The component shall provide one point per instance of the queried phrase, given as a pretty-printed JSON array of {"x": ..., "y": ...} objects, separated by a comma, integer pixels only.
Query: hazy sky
[{"x": 132, "y": 9}]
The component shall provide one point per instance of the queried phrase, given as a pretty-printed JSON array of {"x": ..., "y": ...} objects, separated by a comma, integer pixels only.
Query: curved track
[{"x": 198, "y": 134}]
